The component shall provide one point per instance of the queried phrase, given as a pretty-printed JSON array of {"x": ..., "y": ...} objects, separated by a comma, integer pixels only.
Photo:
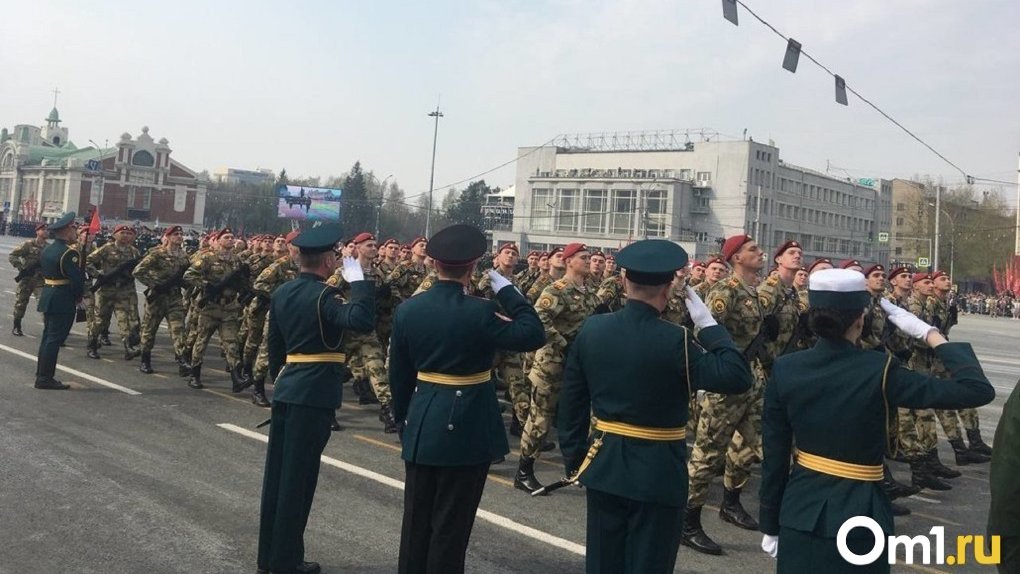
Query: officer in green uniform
[
  {"x": 307, "y": 321},
  {"x": 635, "y": 469},
  {"x": 62, "y": 288},
  {"x": 835, "y": 402},
  {"x": 1004, "y": 479},
  {"x": 444, "y": 397}
]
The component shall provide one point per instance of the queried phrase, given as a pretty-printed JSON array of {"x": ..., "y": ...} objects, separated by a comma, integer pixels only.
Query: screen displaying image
[{"x": 308, "y": 203}]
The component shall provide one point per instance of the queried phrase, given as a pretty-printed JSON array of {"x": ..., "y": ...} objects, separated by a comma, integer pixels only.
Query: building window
[
  {"x": 686, "y": 174},
  {"x": 541, "y": 209},
  {"x": 704, "y": 176},
  {"x": 622, "y": 212},
  {"x": 595, "y": 212},
  {"x": 655, "y": 213},
  {"x": 143, "y": 158},
  {"x": 568, "y": 207},
  {"x": 901, "y": 207}
]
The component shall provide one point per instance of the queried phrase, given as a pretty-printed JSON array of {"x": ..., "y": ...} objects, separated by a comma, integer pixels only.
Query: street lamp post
[{"x": 432, "y": 174}]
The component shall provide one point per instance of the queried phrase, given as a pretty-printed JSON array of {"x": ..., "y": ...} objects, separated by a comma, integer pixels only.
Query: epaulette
[
  {"x": 560, "y": 284},
  {"x": 733, "y": 282},
  {"x": 772, "y": 280}
]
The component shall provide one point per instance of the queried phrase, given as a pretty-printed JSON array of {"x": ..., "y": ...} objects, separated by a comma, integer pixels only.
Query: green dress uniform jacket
[
  {"x": 1004, "y": 479},
  {"x": 307, "y": 317},
  {"x": 60, "y": 262},
  {"x": 445, "y": 331},
  {"x": 829, "y": 400},
  {"x": 646, "y": 381}
]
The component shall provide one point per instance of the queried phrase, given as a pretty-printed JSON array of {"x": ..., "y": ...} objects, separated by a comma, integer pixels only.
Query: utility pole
[
  {"x": 435, "y": 135},
  {"x": 382, "y": 198},
  {"x": 938, "y": 213},
  {"x": 757, "y": 219}
]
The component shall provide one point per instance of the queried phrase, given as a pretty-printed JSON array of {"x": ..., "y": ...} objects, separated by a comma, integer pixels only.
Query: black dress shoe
[{"x": 50, "y": 384}]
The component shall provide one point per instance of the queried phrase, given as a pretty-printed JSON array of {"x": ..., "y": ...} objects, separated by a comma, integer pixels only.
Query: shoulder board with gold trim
[
  {"x": 560, "y": 284},
  {"x": 733, "y": 282}
]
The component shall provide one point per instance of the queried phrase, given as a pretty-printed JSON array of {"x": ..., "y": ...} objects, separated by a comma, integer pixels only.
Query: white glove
[
  {"x": 770, "y": 544},
  {"x": 906, "y": 321},
  {"x": 498, "y": 281},
  {"x": 700, "y": 314},
  {"x": 352, "y": 270}
]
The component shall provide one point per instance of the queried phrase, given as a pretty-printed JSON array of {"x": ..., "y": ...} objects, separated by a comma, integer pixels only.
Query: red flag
[{"x": 94, "y": 226}]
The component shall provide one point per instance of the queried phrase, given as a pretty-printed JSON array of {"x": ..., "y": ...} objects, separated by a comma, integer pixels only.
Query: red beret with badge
[
  {"x": 363, "y": 237},
  {"x": 784, "y": 247},
  {"x": 123, "y": 227},
  {"x": 873, "y": 268},
  {"x": 173, "y": 229},
  {"x": 817, "y": 262},
  {"x": 224, "y": 231},
  {"x": 925, "y": 276},
  {"x": 695, "y": 264},
  {"x": 733, "y": 244},
  {"x": 573, "y": 249},
  {"x": 511, "y": 246}
]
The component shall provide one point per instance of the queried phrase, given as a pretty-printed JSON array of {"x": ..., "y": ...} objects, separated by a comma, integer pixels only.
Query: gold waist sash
[
  {"x": 317, "y": 358},
  {"x": 832, "y": 467}
]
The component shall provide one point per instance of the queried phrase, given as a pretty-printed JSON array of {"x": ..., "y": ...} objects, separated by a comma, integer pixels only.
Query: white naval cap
[{"x": 838, "y": 289}]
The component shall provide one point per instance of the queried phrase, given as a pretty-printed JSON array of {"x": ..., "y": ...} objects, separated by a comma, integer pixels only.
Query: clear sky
[{"x": 315, "y": 85}]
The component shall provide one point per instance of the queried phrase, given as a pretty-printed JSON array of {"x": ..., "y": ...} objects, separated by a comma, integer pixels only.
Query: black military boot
[
  {"x": 258, "y": 396},
  {"x": 976, "y": 444},
  {"x": 733, "y": 512},
  {"x": 130, "y": 352},
  {"x": 335, "y": 426},
  {"x": 386, "y": 418},
  {"x": 937, "y": 468},
  {"x": 16, "y": 330},
  {"x": 195, "y": 381},
  {"x": 693, "y": 535},
  {"x": 44, "y": 380},
  {"x": 247, "y": 373},
  {"x": 899, "y": 509},
  {"x": 894, "y": 489},
  {"x": 237, "y": 381},
  {"x": 104, "y": 338},
  {"x": 184, "y": 366},
  {"x": 525, "y": 479},
  {"x": 93, "y": 348},
  {"x": 922, "y": 476},
  {"x": 965, "y": 456},
  {"x": 516, "y": 428},
  {"x": 146, "y": 366}
]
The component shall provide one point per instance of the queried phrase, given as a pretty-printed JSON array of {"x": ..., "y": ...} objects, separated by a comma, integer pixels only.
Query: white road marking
[
  {"x": 9, "y": 292},
  {"x": 485, "y": 515},
  {"x": 923, "y": 499},
  {"x": 74, "y": 372}
]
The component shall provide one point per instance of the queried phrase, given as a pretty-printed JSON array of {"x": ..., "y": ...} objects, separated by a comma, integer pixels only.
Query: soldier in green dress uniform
[
  {"x": 307, "y": 322},
  {"x": 835, "y": 402},
  {"x": 63, "y": 285},
  {"x": 633, "y": 461},
  {"x": 1004, "y": 479},
  {"x": 444, "y": 396}
]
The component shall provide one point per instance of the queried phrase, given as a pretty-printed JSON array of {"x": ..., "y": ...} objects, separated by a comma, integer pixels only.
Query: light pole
[
  {"x": 382, "y": 197},
  {"x": 435, "y": 136},
  {"x": 102, "y": 174}
]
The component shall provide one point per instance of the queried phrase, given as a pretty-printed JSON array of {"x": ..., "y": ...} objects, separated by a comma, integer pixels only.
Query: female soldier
[{"x": 833, "y": 401}]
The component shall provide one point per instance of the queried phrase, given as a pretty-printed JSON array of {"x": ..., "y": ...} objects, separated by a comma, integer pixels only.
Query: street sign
[
  {"x": 922, "y": 262},
  {"x": 92, "y": 165},
  {"x": 883, "y": 237}
]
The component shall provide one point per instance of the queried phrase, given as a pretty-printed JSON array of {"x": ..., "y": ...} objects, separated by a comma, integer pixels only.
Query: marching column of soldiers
[{"x": 226, "y": 289}]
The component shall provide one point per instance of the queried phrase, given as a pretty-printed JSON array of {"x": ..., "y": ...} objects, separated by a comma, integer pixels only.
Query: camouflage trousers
[
  {"x": 714, "y": 446},
  {"x": 120, "y": 300},
  {"x": 261, "y": 369},
  {"x": 254, "y": 323},
  {"x": 26, "y": 287},
  {"x": 510, "y": 368},
  {"x": 546, "y": 377},
  {"x": 212, "y": 318},
  {"x": 169, "y": 306},
  {"x": 191, "y": 323},
  {"x": 364, "y": 353},
  {"x": 917, "y": 432},
  {"x": 969, "y": 418}
]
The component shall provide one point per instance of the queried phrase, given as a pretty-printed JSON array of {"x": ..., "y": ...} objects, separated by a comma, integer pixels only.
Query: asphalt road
[{"x": 167, "y": 479}]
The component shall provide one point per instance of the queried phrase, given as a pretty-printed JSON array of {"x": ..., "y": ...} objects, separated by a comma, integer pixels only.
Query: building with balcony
[
  {"x": 607, "y": 190},
  {"x": 235, "y": 176}
]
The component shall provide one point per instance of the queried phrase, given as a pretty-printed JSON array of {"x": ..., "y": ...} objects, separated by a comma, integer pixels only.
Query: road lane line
[
  {"x": 936, "y": 519},
  {"x": 923, "y": 499},
  {"x": 226, "y": 396},
  {"x": 74, "y": 372},
  {"x": 492, "y": 477},
  {"x": 485, "y": 515}
]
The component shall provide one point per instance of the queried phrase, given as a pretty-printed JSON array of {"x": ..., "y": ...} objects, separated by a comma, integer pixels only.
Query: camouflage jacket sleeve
[
  {"x": 536, "y": 289},
  {"x": 195, "y": 276},
  {"x": 609, "y": 291},
  {"x": 96, "y": 261},
  {"x": 154, "y": 268},
  {"x": 22, "y": 256},
  {"x": 270, "y": 278},
  {"x": 549, "y": 306},
  {"x": 741, "y": 324}
]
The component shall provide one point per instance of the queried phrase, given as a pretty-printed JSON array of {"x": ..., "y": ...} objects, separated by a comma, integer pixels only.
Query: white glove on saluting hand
[
  {"x": 906, "y": 321},
  {"x": 770, "y": 544},
  {"x": 498, "y": 281},
  {"x": 700, "y": 314},
  {"x": 352, "y": 270}
]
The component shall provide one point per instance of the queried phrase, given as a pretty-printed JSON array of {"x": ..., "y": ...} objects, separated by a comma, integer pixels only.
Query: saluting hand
[
  {"x": 498, "y": 281},
  {"x": 906, "y": 321},
  {"x": 352, "y": 270},
  {"x": 699, "y": 312}
]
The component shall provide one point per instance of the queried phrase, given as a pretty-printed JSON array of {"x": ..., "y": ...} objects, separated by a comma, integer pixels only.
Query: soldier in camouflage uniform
[
  {"x": 218, "y": 276},
  {"x": 597, "y": 270},
  {"x": 556, "y": 270},
  {"x": 281, "y": 271},
  {"x": 389, "y": 257},
  {"x": 254, "y": 314},
  {"x": 366, "y": 349},
  {"x": 735, "y": 305},
  {"x": 509, "y": 365},
  {"x": 191, "y": 311},
  {"x": 610, "y": 294},
  {"x": 409, "y": 274},
  {"x": 562, "y": 307},
  {"x": 715, "y": 271},
  {"x": 118, "y": 295},
  {"x": 162, "y": 272},
  {"x": 944, "y": 320},
  {"x": 527, "y": 276},
  {"x": 85, "y": 248},
  {"x": 697, "y": 277},
  {"x": 27, "y": 257}
]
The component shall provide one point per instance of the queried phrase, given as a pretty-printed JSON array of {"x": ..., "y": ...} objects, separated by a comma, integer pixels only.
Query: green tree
[
  {"x": 467, "y": 206},
  {"x": 356, "y": 211}
]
